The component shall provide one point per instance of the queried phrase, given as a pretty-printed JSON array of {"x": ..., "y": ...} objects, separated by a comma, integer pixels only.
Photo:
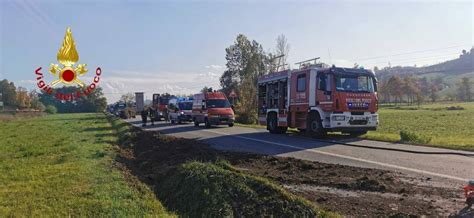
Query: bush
[
  {"x": 40, "y": 107},
  {"x": 50, "y": 109},
  {"x": 454, "y": 108},
  {"x": 406, "y": 136}
]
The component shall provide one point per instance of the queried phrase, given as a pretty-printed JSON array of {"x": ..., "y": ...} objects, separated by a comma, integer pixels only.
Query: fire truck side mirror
[{"x": 375, "y": 84}]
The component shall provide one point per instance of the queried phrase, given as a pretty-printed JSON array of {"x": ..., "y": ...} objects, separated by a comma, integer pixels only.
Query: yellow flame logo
[{"x": 68, "y": 56}]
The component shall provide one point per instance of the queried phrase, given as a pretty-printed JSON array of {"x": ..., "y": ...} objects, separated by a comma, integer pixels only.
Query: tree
[
  {"x": 419, "y": 99},
  {"x": 464, "y": 91},
  {"x": 206, "y": 89},
  {"x": 433, "y": 92},
  {"x": 8, "y": 91},
  {"x": 22, "y": 98},
  {"x": 93, "y": 102},
  {"x": 410, "y": 89},
  {"x": 128, "y": 98},
  {"x": 383, "y": 91},
  {"x": 395, "y": 88},
  {"x": 424, "y": 85},
  {"x": 282, "y": 48},
  {"x": 35, "y": 102},
  {"x": 246, "y": 61}
]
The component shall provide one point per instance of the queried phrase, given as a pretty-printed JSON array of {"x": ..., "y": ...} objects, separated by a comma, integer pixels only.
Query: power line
[
  {"x": 407, "y": 60},
  {"x": 412, "y": 52}
]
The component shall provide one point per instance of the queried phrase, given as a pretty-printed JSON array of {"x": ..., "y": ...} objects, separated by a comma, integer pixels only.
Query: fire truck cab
[
  {"x": 160, "y": 103},
  {"x": 317, "y": 100}
]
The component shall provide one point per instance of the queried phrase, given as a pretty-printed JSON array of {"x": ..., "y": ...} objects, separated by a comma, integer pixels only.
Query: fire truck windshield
[
  {"x": 356, "y": 83},
  {"x": 218, "y": 103},
  {"x": 164, "y": 100}
]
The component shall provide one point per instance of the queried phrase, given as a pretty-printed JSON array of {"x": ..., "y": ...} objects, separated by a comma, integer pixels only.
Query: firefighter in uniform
[
  {"x": 144, "y": 115},
  {"x": 152, "y": 114}
]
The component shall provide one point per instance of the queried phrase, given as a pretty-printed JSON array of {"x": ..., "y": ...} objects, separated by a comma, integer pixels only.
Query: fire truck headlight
[
  {"x": 182, "y": 113},
  {"x": 375, "y": 118},
  {"x": 338, "y": 118}
]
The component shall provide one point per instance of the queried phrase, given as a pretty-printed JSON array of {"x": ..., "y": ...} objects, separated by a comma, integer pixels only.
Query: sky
[{"x": 179, "y": 46}]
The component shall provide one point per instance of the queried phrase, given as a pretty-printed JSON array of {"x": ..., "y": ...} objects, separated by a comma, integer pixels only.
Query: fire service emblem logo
[{"x": 67, "y": 73}]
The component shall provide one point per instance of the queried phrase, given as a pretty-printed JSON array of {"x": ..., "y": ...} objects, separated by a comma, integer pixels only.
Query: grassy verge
[
  {"x": 430, "y": 124},
  {"x": 192, "y": 179},
  {"x": 63, "y": 165}
]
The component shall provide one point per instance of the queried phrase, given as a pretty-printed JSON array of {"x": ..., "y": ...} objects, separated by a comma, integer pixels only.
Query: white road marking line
[{"x": 349, "y": 157}]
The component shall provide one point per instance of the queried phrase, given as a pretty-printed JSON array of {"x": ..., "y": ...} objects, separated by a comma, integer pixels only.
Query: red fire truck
[
  {"x": 160, "y": 103},
  {"x": 317, "y": 99}
]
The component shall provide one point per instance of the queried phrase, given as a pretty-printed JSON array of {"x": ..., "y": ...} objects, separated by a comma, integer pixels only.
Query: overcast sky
[{"x": 179, "y": 46}]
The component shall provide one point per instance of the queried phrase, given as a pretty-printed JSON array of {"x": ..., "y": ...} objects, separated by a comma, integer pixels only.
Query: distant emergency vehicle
[
  {"x": 160, "y": 103},
  {"x": 180, "y": 110},
  {"x": 212, "y": 108},
  {"x": 317, "y": 99}
]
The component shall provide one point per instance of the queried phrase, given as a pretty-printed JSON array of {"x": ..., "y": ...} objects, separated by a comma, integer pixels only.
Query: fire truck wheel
[
  {"x": 195, "y": 122},
  {"x": 314, "y": 126},
  {"x": 272, "y": 124},
  {"x": 231, "y": 124},
  {"x": 207, "y": 124},
  {"x": 172, "y": 121}
]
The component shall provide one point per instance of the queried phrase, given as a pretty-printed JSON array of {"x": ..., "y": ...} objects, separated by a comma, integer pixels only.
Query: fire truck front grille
[{"x": 358, "y": 122}]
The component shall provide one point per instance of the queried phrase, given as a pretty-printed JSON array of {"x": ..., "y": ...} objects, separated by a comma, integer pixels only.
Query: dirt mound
[
  {"x": 217, "y": 190},
  {"x": 192, "y": 179},
  {"x": 344, "y": 189}
]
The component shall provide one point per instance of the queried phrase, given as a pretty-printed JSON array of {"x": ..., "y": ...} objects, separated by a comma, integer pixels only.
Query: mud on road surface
[
  {"x": 343, "y": 189},
  {"x": 352, "y": 190}
]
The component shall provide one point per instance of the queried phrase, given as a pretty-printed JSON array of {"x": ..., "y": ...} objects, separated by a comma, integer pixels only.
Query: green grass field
[
  {"x": 62, "y": 165},
  {"x": 442, "y": 127}
]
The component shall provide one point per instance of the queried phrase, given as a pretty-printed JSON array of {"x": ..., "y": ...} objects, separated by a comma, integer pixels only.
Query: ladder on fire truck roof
[{"x": 307, "y": 63}]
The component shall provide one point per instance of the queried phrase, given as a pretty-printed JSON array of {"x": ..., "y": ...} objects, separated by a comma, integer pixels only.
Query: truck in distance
[
  {"x": 212, "y": 108},
  {"x": 180, "y": 110},
  {"x": 160, "y": 103},
  {"x": 317, "y": 99}
]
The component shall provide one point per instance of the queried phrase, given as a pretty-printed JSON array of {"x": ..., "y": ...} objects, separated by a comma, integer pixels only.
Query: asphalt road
[{"x": 434, "y": 164}]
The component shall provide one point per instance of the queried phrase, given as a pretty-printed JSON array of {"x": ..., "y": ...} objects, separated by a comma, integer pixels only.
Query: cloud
[
  {"x": 214, "y": 67},
  {"x": 27, "y": 81},
  {"x": 117, "y": 82}
]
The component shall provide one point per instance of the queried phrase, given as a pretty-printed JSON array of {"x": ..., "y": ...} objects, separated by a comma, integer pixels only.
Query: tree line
[
  {"x": 411, "y": 90},
  {"x": 20, "y": 98}
]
